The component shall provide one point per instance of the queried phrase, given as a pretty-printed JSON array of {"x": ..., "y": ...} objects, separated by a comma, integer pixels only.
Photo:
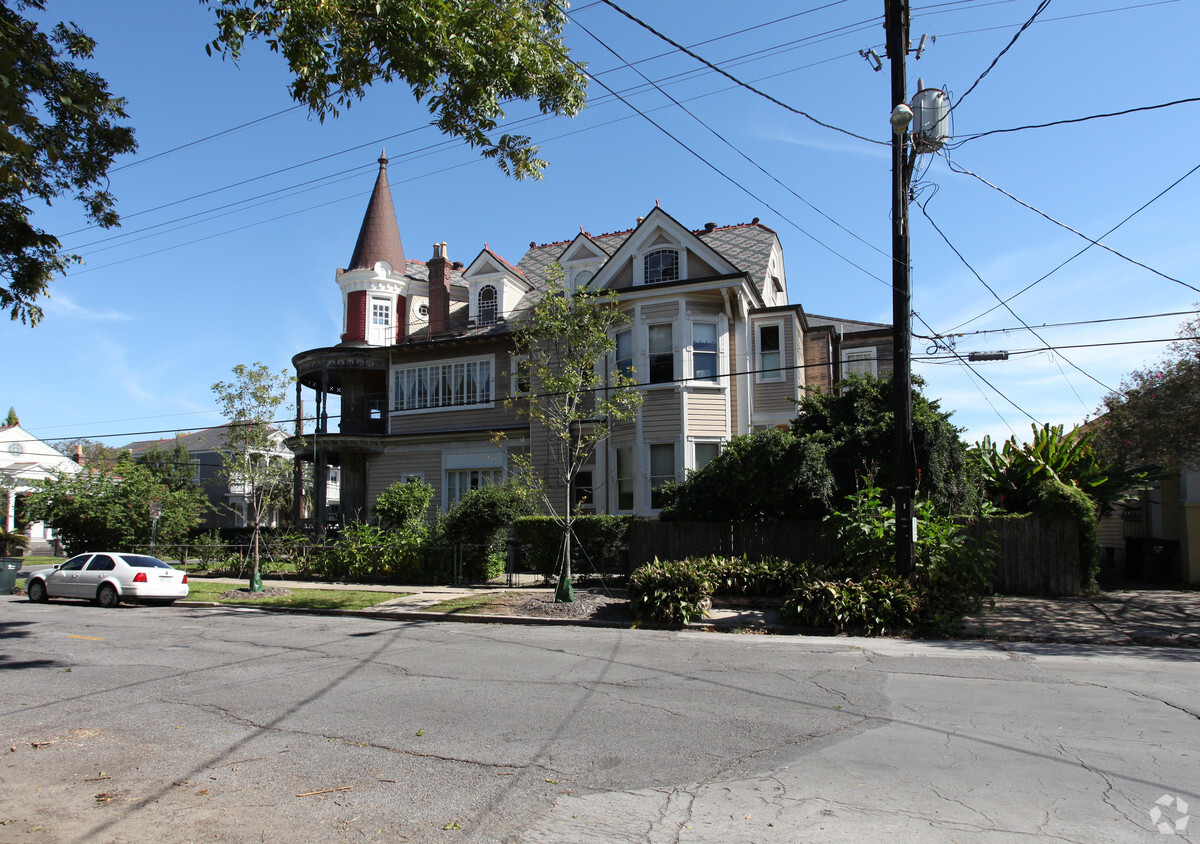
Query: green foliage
[
  {"x": 669, "y": 594},
  {"x": 1154, "y": 418},
  {"x": 953, "y": 571},
  {"x": 250, "y": 461},
  {"x": 111, "y": 510},
  {"x": 1015, "y": 472},
  {"x": 96, "y": 455},
  {"x": 365, "y": 552},
  {"x": 463, "y": 60},
  {"x": 59, "y": 134},
  {"x": 1055, "y": 498},
  {"x": 570, "y": 399},
  {"x": 478, "y": 522},
  {"x": 404, "y": 505},
  {"x": 673, "y": 593},
  {"x": 877, "y": 604},
  {"x": 854, "y": 424},
  {"x": 596, "y": 538},
  {"x": 12, "y": 542},
  {"x": 12, "y": 418},
  {"x": 734, "y": 485},
  {"x": 172, "y": 466}
]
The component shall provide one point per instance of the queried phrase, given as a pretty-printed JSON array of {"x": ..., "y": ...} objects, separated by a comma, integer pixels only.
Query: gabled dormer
[
  {"x": 661, "y": 250},
  {"x": 580, "y": 261},
  {"x": 495, "y": 286}
]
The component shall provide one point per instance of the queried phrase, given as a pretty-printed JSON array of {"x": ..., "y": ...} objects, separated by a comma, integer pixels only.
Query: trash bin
[{"x": 8, "y": 575}]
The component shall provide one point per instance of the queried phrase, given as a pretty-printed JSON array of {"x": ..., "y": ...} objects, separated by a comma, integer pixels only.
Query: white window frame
[
  {"x": 514, "y": 375},
  {"x": 868, "y": 354},
  {"x": 670, "y": 324},
  {"x": 430, "y": 376},
  {"x": 653, "y": 480},
  {"x": 694, "y": 379},
  {"x": 487, "y": 475},
  {"x": 655, "y": 250},
  {"x": 694, "y": 462},
  {"x": 479, "y": 315},
  {"x": 775, "y": 375},
  {"x": 380, "y": 333},
  {"x": 630, "y": 477}
]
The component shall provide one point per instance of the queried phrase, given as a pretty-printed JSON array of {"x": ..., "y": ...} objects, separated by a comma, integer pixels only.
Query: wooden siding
[
  {"x": 816, "y": 351},
  {"x": 660, "y": 311},
  {"x": 440, "y": 420},
  {"x": 386, "y": 469},
  {"x": 774, "y": 400},
  {"x": 735, "y": 381},
  {"x": 661, "y": 415},
  {"x": 706, "y": 413}
]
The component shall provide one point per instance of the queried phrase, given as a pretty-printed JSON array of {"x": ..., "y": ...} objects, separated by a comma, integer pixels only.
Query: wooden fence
[{"x": 1037, "y": 556}]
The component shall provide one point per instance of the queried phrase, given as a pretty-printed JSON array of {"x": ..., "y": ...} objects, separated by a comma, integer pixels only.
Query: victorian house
[{"x": 424, "y": 365}]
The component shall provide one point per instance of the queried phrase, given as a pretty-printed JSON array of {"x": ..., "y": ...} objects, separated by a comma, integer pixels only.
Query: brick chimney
[
  {"x": 79, "y": 458},
  {"x": 439, "y": 290}
]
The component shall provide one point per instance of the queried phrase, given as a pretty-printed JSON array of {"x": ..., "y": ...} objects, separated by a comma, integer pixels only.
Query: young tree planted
[
  {"x": 567, "y": 396},
  {"x": 252, "y": 401},
  {"x": 464, "y": 61}
]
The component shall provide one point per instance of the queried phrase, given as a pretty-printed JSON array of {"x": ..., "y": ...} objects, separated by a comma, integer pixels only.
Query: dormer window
[
  {"x": 661, "y": 265},
  {"x": 487, "y": 305}
]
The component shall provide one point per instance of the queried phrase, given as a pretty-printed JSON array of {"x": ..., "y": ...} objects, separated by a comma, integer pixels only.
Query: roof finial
[
  {"x": 581, "y": 231},
  {"x": 383, "y": 156},
  {"x": 657, "y": 204}
]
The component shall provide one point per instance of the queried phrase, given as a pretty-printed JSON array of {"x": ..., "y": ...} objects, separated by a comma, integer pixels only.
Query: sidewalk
[{"x": 1157, "y": 617}]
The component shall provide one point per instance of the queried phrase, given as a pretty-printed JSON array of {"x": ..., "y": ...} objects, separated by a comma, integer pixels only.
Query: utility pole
[{"x": 896, "y": 20}]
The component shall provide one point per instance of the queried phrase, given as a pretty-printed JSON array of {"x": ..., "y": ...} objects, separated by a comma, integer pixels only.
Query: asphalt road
[{"x": 188, "y": 724}]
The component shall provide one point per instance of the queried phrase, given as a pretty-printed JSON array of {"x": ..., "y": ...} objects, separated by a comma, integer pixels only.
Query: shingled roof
[{"x": 379, "y": 237}]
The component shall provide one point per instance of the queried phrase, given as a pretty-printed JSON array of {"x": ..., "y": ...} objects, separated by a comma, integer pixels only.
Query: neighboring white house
[{"x": 25, "y": 459}]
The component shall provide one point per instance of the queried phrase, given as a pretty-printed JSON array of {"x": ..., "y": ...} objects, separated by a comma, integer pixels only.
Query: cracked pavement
[{"x": 218, "y": 724}]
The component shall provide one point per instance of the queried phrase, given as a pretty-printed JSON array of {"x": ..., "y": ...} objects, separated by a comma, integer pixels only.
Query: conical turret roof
[{"x": 379, "y": 237}]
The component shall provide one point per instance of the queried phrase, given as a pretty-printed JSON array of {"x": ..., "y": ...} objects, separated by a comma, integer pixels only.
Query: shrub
[
  {"x": 477, "y": 522},
  {"x": 670, "y": 594},
  {"x": 368, "y": 552},
  {"x": 404, "y": 505},
  {"x": 874, "y": 605},
  {"x": 1055, "y": 498},
  {"x": 595, "y": 543},
  {"x": 673, "y": 593}
]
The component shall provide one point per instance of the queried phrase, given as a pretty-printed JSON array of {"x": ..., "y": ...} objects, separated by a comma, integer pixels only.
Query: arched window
[
  {"x": 661, "y": 265},
  {"x": 487, "y": 305}
]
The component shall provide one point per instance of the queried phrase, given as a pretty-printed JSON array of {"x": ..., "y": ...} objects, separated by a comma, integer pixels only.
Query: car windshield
[{"x": 139, "y": 561}]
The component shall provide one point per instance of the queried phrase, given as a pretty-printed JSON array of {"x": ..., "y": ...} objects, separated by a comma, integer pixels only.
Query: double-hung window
[
  {"x": 442, "y": 384},
  {"x": 625, "y": 353},
  {"x": 625, "y": 478},
  {"x": 770, "y": 356},
  {"x": 661, "y": 353},
  {"x": 858, "y": 362},
  {"x": 461, "y": 481},
  {"x": 704, "y": 351},
  {"x": 662, "y": 469}
]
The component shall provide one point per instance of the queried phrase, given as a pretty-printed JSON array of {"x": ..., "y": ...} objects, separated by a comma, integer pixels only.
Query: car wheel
[
  {"x": 107, "y": 597},
  {"x": 37, "y": 592}
]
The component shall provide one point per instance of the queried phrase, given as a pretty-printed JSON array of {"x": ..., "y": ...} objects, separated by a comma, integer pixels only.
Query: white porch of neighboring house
[{"x": 24, "y": 460}]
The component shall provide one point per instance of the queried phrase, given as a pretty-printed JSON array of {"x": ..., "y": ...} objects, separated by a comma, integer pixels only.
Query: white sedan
[{"x": 108, "y": 579}]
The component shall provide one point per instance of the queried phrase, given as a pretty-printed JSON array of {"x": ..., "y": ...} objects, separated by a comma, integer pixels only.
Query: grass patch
[
  {"x": 322, "y": 599},
  {"x": 468, "y": 603}
]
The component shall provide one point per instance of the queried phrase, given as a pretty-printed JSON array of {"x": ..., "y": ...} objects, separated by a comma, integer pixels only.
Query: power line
[
  {"x": 1101, "y": 321},
  {"x": 1041, "y": 7},
  {"x": 1071, "y": 120},
  {"x": 957, "y": 168},
  {"x": 737, "y": 81},
  {"x": 1045, "y": 276}
]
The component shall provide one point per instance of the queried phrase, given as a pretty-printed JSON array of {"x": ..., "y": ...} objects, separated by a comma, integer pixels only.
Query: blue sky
[{"x": 229, "y": 244}]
